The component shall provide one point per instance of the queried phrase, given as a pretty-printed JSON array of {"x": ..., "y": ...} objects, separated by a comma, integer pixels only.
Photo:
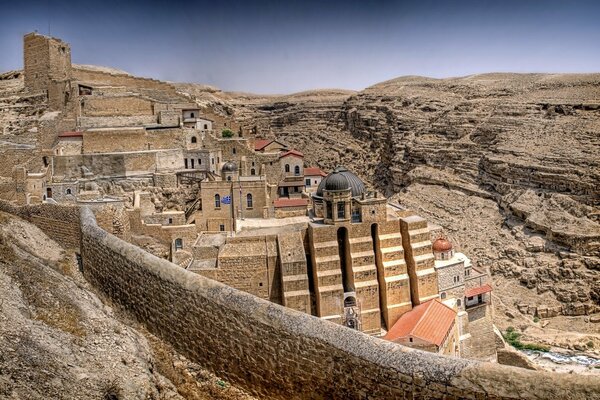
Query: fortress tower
[{"x": 47, "y": 67}]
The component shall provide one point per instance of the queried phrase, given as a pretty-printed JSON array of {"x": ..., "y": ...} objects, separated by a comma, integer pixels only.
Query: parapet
[{"x": 281, "y": 353}]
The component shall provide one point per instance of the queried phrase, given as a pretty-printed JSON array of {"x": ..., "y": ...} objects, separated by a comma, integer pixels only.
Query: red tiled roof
[
  {"x": 429, "y": 321},
  {"x": 261, "y": 144},
  {"x": 280, "y": 203},
  {"x": 292, "y": 152},
  {"x": 314, "y": 171},
  {"x": 478, "y": 290},
  {"x": 71, "y": 134}
]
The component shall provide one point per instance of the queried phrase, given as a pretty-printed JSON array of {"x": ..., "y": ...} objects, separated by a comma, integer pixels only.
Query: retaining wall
[
  {"x": 61, "y": 223},
  {"x": 273, "y": 351},
  {"x": 280, "y": 353}
]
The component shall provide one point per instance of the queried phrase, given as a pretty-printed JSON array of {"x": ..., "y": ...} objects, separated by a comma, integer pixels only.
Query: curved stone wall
[{"x": 280, "y": 353}]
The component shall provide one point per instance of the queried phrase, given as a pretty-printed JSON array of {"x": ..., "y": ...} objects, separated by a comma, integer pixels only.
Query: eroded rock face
[{"x": 507, "y": 163}]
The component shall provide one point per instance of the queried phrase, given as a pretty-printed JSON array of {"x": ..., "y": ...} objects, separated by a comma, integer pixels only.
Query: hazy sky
[{"x": 288, "y": 45}]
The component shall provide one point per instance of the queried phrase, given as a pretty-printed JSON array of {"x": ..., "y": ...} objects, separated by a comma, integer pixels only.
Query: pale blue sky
[{"x": 287, "y": 46}]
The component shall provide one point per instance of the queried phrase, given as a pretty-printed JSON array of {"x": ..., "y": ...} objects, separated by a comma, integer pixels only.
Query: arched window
[
  {"x": 443, "y": 295},
  {"x": 458, "y": 302},
  {"x": 297, "y": 170},
  {"x": 287, "y": 167},
  {"x": 229, "y": 178},
  {"x": 194, "y": 140},
  {"x": 217, "y": 201},
  {"x": 252, "y": 171},
  {"x": 249, "y": 200},
  {"x": 178, "y": 244},
  {"x": 69, "y": 191},
  {"x": 192, "y": 115}
]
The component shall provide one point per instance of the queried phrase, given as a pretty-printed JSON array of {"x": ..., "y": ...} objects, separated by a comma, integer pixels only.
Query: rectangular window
[
  {"x": 307, "y": 182},
  {"x": 222, "y": 228},
  {"x": 341, "y": 210}
]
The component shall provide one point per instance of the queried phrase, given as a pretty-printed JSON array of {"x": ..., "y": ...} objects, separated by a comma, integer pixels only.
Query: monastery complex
[{"x": 190, "y": 184}]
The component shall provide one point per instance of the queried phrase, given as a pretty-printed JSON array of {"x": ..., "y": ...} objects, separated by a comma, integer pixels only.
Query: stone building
[
  {"x": 47, "y": 67},
  {"x": 321, "y": 243},
  {"x": 430, "y": 326},
  {"x": 468, "y": 289}
]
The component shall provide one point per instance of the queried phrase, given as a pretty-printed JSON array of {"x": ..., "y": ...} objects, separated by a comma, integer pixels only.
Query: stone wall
[
  {"x": 61, "y": 223},
  {"x": 100, "y": 106},
  {"x": 280, "y": 353},
  {"x": 105, "y": 78}
]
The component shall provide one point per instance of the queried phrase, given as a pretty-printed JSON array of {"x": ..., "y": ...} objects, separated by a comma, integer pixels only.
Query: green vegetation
[
  {"x": 590, "y": 344},
  {"x": 227, "y": 133},
  {"x": 512, "y": 337},
  {"x": 536, "y": 319}
]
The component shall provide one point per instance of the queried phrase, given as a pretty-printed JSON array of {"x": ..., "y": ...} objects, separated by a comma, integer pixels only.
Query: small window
[
  {"x": 341, "y": 210},
  {"x": 69, "y": 191},
  {"x": 287, "y": 167},
  {"x": 178, "y": 244},
  {"x": 212, "y": 161},
  {"x": 307, "y": 182},
  {"x": 229, "y": 178},
  {"x": 259, "y": 283},
  {"x": 249, "y": 200},
  {"x": 170, "y": 221},
  {"x": 222, "y": 228},
  {"x": 470, "y": 298},
  {"x": 194, "y": 140},
  {"x": 199, "y": 161},
  {"x": 443, "y": 295},
  {"x": 410, "y": 339},
  {"x": 297, "y": 170},
  {"x": 253, "y": 163},
  {"x": 458, "y": 302},
  {"x": 217, "y": 201},
  {"x": 233, "y": 150},
  {"x": 218, "y": 160},
  {"x": 192, "y": 115},
  {"x": 252, "y": 171},
  {"x": 205, "y": 126}
]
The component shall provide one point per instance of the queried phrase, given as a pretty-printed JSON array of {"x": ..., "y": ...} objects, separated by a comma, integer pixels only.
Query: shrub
[
  {"x": 590, "y": 344},
  {"x": 536, "y": 319},
  {"x": 512, "y": 337},
  {"x": 227, "y": 133}
]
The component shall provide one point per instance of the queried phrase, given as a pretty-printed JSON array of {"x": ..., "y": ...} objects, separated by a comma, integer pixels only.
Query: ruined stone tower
[{"x": 47, "y": 67}]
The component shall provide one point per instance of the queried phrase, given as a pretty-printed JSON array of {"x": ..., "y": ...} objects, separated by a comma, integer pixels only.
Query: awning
[{"x": 478, "y": 290}]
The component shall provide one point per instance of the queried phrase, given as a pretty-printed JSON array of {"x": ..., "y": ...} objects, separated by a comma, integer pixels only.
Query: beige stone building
[{"x": 239, "y": 209}]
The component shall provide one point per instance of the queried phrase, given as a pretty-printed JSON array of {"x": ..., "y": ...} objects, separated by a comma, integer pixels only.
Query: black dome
[
  {"x": 352, "y": 181},
  {"x": 229, "y": 167},
  {"x": 336, "y": 182}
]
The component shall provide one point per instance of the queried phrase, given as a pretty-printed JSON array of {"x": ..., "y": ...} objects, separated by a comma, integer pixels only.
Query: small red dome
[{"x": 440, "y": 245}]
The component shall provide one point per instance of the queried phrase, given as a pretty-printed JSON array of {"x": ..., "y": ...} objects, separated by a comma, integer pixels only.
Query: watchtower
[{"x": 47, "y": 67}]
